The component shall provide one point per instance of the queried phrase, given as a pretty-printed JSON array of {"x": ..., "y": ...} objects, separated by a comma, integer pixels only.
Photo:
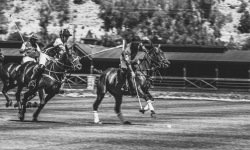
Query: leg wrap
[
  {"x": 120, "y": 116},
  {"x": 96, "y": 117},
  {"x": 150, "y": 106}
]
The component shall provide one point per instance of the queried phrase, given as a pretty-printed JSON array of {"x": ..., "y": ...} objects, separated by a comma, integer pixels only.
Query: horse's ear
[{"x": 159, "y": 45}]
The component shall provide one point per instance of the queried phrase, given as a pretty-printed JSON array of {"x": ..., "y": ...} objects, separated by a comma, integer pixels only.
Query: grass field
[{"x": 67, "y": 123}]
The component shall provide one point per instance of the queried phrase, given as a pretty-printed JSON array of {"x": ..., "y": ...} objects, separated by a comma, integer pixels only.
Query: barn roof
[
  {"x": 11, "y": 51},
  {"x": 220, "y": 55},
  {"x": 226, "y": 56}
]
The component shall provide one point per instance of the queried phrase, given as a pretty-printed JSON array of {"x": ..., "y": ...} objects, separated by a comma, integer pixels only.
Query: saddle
[{"x": 126, "y": 89}]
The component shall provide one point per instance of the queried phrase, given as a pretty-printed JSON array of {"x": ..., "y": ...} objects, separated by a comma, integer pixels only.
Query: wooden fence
[{"x": 79, "y": 81}]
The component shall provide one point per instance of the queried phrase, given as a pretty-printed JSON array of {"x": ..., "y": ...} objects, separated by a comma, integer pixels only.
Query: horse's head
[
  {"x": 71, "y": 60},
  {"x": 158, "y": 58}
]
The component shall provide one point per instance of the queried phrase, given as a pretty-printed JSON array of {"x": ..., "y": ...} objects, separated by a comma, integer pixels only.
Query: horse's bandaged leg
[
  {"x": 150, "y": 105},
  {"x": 120, "y": 116},
  {"x": 146, "y": 107},
  {"x": 96, "y": 117}
]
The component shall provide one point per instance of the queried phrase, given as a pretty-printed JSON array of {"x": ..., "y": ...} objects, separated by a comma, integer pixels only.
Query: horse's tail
[{"x": 102, "y": 82}]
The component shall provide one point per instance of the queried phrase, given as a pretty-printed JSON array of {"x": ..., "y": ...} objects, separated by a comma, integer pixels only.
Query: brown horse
[
  {"x": 8, "y": 74},
  {"x": 110, "y": 81},
  {"x": 49, "y": 83}
]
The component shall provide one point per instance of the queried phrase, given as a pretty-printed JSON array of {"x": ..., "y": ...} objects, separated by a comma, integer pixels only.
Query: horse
[
  {"x": 8, "y": 73},
  {"x": 48, "y": 83},
  {"x": 110, "y": 81}
]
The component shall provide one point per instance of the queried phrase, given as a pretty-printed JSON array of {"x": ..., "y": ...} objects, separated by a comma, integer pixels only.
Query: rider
[
  {"x": 30, "y": 49},
  {"x": 128, "y": 60},
  {"x": 47, "y": 55}
]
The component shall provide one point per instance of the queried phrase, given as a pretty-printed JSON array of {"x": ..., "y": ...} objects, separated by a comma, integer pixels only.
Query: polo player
[
  {"x": 128, "y": 60},
  {"x": 30, "y": 49},
  {"x": 46, "y": 55}
]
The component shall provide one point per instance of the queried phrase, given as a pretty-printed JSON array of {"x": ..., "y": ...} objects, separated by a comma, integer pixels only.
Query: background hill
[{"x": 198, "y": 22}]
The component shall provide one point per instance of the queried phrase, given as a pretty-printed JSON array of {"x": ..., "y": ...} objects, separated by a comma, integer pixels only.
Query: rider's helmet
[
  {"x": 135, "y": 39},
  {"x": 64, "y": 35},
  {"x": 33, "y": 38},
  {"x": 135, "y": 42}
]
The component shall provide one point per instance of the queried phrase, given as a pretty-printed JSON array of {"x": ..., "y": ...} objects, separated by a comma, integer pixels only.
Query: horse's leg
[
  {"x": 22, "y": 111},
  {"x": 43, "y": 102},
  {"x": 6, "y": 88},
  {"x": 18, "y": 95},
  {"x": 118, "y": 102},
  {"x": 99, "y": 98},
  {"x": 149, "y": 105},
  {"x": 149, "y": 99}
]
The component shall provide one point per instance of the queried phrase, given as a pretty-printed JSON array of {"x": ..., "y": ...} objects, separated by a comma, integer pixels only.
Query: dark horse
[
  {"x": 8, "y": 74},
  {"x": 49, "y": 83},
  {"x": 110, "y": 81}
]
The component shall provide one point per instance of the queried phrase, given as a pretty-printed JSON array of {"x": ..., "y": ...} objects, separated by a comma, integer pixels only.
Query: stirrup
[
  {"x": 32, "y": 84},
  {"x": 61, "y": 91},
  {"x": 124, "y": 88}
]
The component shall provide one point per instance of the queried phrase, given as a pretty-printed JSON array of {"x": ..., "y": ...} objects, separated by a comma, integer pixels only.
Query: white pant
[
  {"x": 43, "y": 58},
  {"x": 27, "y": 58}
]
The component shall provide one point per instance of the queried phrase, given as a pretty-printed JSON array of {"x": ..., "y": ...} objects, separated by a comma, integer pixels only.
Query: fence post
[
  {"x": 216, "y": 72},
  {"x": 184, "y": 71},
  {"x": 184, "y": 75}
]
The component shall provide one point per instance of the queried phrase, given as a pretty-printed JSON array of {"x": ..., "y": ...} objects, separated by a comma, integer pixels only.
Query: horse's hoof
[
  {"x": 34, "y": 119},
  {"x": 35, "y": 105},
  {"x": 127, "y": 122},
  {"x": 28, "y": 105},
  {"x": 7, "y": 104},
  {"x": 16, "y": 105},
  {"x": 99, "y": 122},
  {"x": 142, "y": 111},
  {"x": 20, "y": 116},
  {"x": 153, "y": 114}
]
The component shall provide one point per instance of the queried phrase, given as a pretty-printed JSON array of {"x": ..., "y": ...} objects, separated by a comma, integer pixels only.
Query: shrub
[
  {"x": 79, "y": 2},
  {"x": 242, "y": 7}
]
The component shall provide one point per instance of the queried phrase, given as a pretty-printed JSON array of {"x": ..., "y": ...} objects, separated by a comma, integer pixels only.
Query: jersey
[
  {"x": 51, "y": 50},
  {"x": 128, "y": 55},
  {"x": 30, "y": 50}
]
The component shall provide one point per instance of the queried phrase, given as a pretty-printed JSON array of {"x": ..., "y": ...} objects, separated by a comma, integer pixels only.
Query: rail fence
[{"x": 80, "y": 81}]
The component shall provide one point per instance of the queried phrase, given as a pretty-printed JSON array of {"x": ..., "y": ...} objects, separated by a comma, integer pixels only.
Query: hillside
[{"x": 85, "y": 17}]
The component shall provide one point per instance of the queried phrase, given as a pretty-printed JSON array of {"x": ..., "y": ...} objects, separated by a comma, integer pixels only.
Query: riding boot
[
  {"x": 123, "y": 76},
  {"x": 61, "y": 91},
  {"x": 32, "y": 83},
  {"x": 36, "y": 72}
]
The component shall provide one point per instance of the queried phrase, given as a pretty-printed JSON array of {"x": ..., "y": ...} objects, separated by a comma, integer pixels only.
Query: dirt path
[{"x": 67, "y": 123}]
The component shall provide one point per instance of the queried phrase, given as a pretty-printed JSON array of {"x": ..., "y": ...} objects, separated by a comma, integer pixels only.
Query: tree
[{"x": 244, "y": 25}]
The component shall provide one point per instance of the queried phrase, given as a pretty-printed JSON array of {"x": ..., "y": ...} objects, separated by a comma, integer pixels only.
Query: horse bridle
[{"x": 155, "y": 63}]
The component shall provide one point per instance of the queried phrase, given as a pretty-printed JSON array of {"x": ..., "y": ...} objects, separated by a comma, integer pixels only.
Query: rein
[
  {"x": 149, "y": 59},
  {"x": 61, "y": 66}
]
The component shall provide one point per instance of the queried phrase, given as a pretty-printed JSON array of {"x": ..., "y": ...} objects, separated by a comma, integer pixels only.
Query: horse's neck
[
  {"x": 56, "y": 69},
  {"x": 145, "y": 66}
]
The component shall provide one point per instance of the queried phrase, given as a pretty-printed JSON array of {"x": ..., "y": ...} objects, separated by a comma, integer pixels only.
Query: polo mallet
[
  {"x": 137, "y": 93},
  {"x": 17, "y": 28}
]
